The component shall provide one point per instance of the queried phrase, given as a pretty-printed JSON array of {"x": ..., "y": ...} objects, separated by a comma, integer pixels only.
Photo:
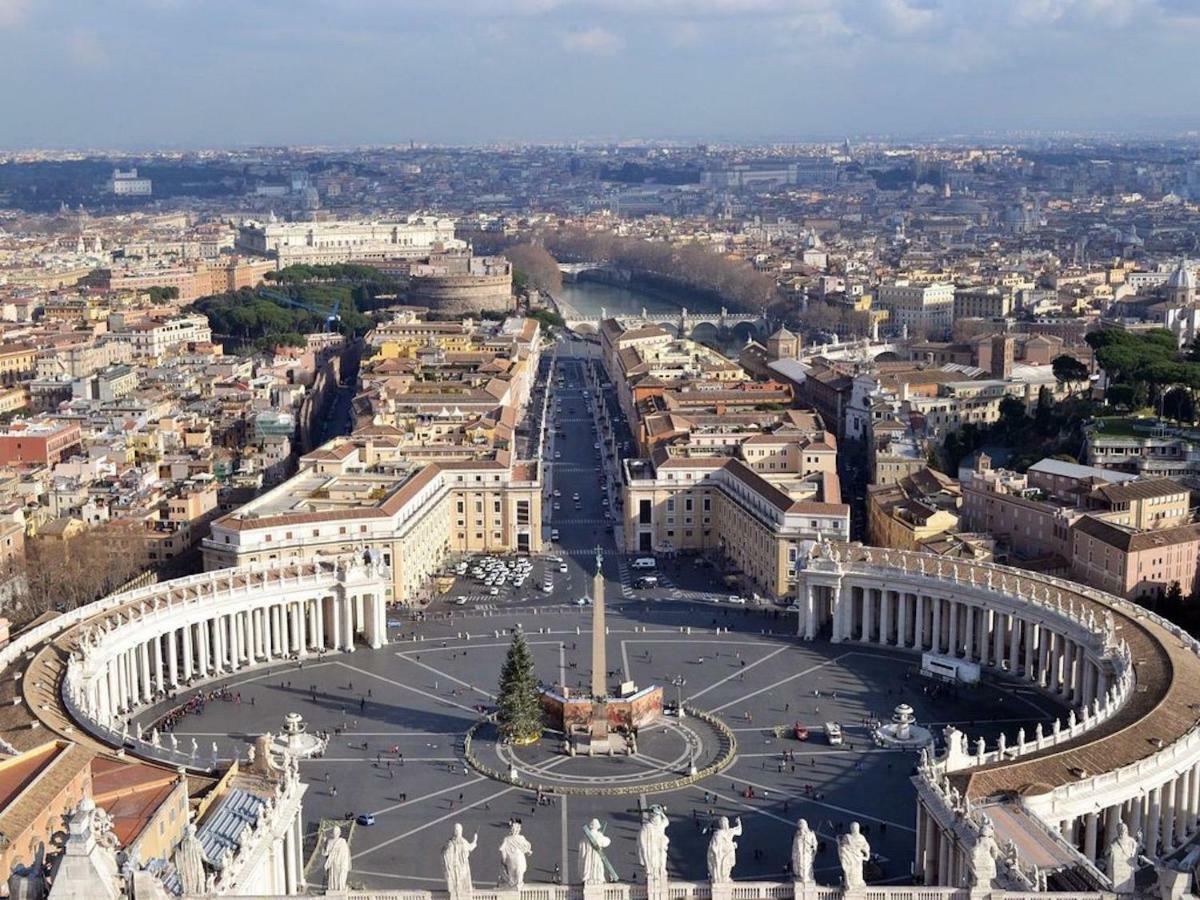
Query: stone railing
[{"x": 739, "y": 890}]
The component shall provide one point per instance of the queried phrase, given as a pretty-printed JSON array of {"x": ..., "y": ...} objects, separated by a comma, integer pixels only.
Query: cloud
[
  {"x": 685, "y": 34},
  {"x": 12, "y": 12},
  {"x": 84, "y": 49},
  {"x": 594, "y": 41}
]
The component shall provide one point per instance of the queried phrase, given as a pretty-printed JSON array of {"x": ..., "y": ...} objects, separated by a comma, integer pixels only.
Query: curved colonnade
[
  {"x": 147, "y": 645},
  {"x": 1128, "y": 751}
]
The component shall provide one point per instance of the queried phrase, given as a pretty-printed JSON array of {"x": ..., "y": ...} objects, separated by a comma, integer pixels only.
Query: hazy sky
[{"x": 138, "y": 73}]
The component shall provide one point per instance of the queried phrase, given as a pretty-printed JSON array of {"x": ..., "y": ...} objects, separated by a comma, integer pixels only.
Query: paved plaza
[{"x": 402, "y": 711}]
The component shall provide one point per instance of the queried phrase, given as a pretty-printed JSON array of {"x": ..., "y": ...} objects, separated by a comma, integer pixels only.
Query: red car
[{"x": 800, "y": 731}]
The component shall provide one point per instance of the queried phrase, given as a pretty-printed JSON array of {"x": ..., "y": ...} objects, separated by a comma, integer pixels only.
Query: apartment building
[
  {"x": 315, "y": 243},
  {"x": 674, "y": 502},
  {"x": 1134, "y": 564},
  {"x": 366, "y": 493},
  {"x": 153, "y": 338},
  {"x": 916, "y": 509},
  {"x": 926, "y": 309}
]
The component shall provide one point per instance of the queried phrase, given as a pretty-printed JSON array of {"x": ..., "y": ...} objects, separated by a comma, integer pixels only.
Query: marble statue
[
  {"x": 337, "y": 862},
  {"x": 189, "y": 860},
  {"x": 722, "y": 851},
  {"x": 652, "y": 848},
  {"x": 26, "y": 883},
  {"x": 983, "y": 857},
  {"x": 513, "y": 850},
  {"x": 804, "y": 853},
  {"x": 593, "y": 864},
  {"x": 853, "y": 853},
  {"x": 456, "y": 864},
  {"x": 1122, "y": 860}
]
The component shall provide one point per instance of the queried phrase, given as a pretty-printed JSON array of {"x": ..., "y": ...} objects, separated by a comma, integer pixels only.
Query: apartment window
[
  {"x": 496, "y": 506},
  {"x": 460, "y": 506}
]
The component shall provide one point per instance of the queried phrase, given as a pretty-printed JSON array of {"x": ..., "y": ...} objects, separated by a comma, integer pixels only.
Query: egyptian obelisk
[{"x": 599, "y": 658}]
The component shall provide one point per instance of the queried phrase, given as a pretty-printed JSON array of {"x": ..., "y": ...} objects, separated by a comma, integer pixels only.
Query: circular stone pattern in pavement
[{"x": 670, "y": 754}]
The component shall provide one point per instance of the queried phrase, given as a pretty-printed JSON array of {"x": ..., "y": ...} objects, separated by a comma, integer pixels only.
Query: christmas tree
[{"x": 519, "y": 711}]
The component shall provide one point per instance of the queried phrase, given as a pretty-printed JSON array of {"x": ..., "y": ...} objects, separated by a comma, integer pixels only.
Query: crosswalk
[{"x": 556, "y": 520}]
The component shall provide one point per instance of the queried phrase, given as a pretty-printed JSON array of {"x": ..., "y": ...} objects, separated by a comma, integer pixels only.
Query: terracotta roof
[
  {"x": 1142, "y": 489},
  {"x": 1129, "y": 540}
]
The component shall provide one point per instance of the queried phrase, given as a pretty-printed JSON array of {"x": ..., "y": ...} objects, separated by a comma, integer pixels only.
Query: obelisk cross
[{"x": 599, "y": 658}]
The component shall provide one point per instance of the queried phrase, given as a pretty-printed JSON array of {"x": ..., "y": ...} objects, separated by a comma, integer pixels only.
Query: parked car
[{"x": 366, "y": 819}]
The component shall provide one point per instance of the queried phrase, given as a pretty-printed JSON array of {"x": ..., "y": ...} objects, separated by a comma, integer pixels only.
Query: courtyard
[{"x": 397, "y": 718}]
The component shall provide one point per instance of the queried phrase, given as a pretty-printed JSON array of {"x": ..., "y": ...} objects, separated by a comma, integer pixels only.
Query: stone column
[
  {"x": 885, "y": 617},
  {"x": 936, "y": 642},
  {"x": 147, "y": 689},
  {"x": 1153, "y": 821},
  {"x": 955, "y": 644},
  {"x": 1089, "y": 837},
  {"x": 348, "y": 624},
  {"x": 1014, "y": 644},
  {"x": 335, "y": 618},
  {"x": 902, "y": 618},
  {"x": 156, "y": 654},
  {"x": 173, "y": 658},
  {"x": 114, "y": 687},
  {"x": 998, "y": 640},
  {"x": 868, "y": 614},
  {"x": 969, "y": 629},
  {"x": 919, "y": 624},
  {"x": 235, "y": 641},
  {"x": 302, "y": 626},
  {"x": 1183, "y": 790},
  {"x": 289, "y": 861},
  {"x": 188, "y": 661},
  {"x": 1028, "y": 628},
  {"x": 319, "y": 621}
]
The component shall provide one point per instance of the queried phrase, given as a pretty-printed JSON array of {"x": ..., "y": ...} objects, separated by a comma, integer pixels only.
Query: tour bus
[{"x": 949, "y": 669}]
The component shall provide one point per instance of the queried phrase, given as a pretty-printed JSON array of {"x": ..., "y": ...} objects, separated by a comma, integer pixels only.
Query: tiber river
[{"x": 586, "y": 298}]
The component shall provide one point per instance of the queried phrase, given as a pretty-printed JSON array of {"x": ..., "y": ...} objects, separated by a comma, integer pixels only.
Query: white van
[{"x": 644, "y": 562}]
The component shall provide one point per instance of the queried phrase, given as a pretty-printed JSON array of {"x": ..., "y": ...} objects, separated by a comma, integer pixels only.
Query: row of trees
[
  {"x": 299, "y": 273},
  {"x": 534, "y": 267},
  {"x": 60, "y": 575}
]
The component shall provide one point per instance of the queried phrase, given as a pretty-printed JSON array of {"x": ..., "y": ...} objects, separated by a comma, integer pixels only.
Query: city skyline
[{"x": 144, "y": 74}]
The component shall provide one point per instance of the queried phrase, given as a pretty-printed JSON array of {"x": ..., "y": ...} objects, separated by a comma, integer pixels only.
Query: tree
[
  {"x": 519, "y": 710},
  {"x": 1069, "y": 371}
]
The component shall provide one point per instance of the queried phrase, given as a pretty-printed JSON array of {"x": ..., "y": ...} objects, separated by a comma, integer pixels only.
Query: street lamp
[{"x": 679, "y": 681}]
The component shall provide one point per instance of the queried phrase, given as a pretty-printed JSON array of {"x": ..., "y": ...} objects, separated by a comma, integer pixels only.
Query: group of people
[{"x": 195, "y": 705}]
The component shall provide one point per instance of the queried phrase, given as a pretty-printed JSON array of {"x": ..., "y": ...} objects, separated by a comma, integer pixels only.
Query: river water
[{"x": 585, "y": 299}]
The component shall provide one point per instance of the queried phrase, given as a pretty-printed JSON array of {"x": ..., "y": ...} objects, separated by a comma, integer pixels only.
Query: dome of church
[{"x": 1182, "y": 279}]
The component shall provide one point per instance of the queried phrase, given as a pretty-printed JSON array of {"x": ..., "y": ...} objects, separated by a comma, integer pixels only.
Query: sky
[{"x": 134, "y": 74}]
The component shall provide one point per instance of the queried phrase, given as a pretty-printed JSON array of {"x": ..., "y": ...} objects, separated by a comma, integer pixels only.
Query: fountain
[
  {"x": 296, "y": 741},
  {"x": 903, "y": 732}
]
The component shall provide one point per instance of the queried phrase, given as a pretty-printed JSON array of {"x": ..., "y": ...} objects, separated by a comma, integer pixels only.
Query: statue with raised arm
[
  {"x": 804, "y": 853},
  {"x": 337, "y": 862},
  {"x": 189, "y": 862},
  {"x": 1122, "y": 860},
  {"x": 593, "y": 863},
  {"x": 513, "y": 850},
  {"x": 456, "y": 864},
  {"x": 722, "y": 851},
  {"x": 853, "y": 853},
  {"x": 652, "y": 850}
]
